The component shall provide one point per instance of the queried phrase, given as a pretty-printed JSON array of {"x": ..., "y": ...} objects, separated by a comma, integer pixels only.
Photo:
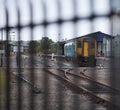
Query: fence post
[{"x": 1, "y": 60}]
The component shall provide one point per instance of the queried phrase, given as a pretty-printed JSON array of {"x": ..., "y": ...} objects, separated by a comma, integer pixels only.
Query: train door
[{"x": 85, "y": 52}]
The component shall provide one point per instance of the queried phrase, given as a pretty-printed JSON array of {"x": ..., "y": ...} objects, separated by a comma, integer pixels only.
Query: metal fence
[{"x": 76, "y": 16}]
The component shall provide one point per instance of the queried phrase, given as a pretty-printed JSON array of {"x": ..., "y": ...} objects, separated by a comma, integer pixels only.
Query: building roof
[{"x": 96, "y": 35}]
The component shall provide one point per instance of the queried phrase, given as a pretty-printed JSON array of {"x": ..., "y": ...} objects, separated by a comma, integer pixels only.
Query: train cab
[{"x": 86, "y": 51}]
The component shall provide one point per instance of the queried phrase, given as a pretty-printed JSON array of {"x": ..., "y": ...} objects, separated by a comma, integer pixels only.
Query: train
[{"x": 81, "y": 50}]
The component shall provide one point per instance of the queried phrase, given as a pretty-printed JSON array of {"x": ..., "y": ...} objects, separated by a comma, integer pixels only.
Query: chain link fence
[{"x": 58, "y": 19}]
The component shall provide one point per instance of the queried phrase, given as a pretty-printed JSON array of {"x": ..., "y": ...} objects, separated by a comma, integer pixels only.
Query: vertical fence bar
[
  {"x": 76, "y": 99},
  {"x": 32, "y": 59},
  {"x": 60, "y": 98},
  {"x": 112, "y": 76},
  {"x": 8, "y": 60},
  {"x": 92, "y": 17},
  {"x": 114, "y": 60},
  {"x": 45, "y": 62},
  {"x": 18, "y": 60}
]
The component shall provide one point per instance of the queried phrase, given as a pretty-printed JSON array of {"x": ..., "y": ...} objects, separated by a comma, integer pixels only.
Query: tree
[
  {"x": 46, "y": 45},
  {"x": 34, "y": 47}
]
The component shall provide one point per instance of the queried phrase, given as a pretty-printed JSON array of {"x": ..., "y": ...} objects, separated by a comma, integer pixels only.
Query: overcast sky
[{"x": 67, "y": 29}]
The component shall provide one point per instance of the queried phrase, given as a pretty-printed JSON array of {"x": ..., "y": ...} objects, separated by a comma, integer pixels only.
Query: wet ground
[{"x": 54, "y": 94}]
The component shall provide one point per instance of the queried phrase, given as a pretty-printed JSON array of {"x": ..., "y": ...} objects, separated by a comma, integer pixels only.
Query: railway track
[
  {"x": 98, "y": 100},
  {"x": 35, "y": 89},
  {"x": 64, "y": 78},
  {"x": 91, "y": 80},
  {"x": 98, "y": 82}
]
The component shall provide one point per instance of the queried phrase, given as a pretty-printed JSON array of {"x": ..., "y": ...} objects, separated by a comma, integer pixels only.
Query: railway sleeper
[
  {"x": 102, "y": 102},
  {"x": 105, "y": 105},
  {"x": 83, "y": 92},
  {"x": 98, "y": 101}
]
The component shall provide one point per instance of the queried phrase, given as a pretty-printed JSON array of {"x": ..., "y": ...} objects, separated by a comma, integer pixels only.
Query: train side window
[{"x": 79, "y": 44}]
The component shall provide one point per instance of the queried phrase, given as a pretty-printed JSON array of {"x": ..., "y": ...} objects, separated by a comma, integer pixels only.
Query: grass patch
[{"x": 2, "y": 79}]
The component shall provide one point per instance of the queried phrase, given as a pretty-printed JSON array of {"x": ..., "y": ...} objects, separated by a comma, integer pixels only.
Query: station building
[{"x": 104, "y": 43}]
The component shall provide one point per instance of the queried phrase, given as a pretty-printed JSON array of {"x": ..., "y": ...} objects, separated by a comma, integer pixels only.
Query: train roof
[{"x": 96, "y": 35}]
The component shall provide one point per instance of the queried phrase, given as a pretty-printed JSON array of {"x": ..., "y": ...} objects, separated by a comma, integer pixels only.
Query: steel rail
[
  {"x": 97, "y": 99},
  {"x": 85, "y": 77},
  {"x": 101, "y": 83},
  {"x": 34, "y": 87}
]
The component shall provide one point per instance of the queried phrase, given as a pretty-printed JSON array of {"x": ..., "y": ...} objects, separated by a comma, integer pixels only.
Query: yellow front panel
[
  {"x": 85, "y": 49},
  {"x": 79, "y": 51}
]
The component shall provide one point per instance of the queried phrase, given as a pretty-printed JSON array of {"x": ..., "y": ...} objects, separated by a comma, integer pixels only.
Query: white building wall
[
  {"x": 107, "y": 47},
  {"x": 116, "y": 46},
  {"x": 99, "y": 46},
  {"x": 15, "y": 49}
]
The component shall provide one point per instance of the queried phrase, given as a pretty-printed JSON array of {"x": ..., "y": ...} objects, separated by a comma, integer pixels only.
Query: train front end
[{"x": 86, "y": 51}]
